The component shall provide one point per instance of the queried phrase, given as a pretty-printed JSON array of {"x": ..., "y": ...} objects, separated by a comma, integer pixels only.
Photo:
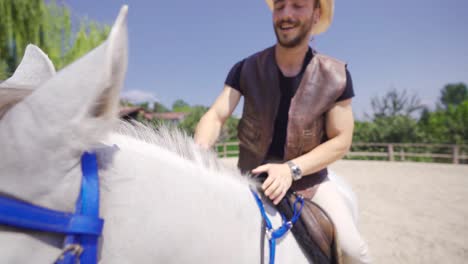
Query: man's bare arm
[
  {"x": 210, "y": 124},
  {"x": 339, "y": 128}
]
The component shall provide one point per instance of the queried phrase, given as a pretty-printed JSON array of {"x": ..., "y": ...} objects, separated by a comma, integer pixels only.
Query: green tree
[
  {"x": 448, "y": 125},
  {"x": 395, "y": 103},
  {"x": 160, "y": 108},
  {"x": 449, "y": 122},
  {"x": 229, "y": 130},
  {"x": 181, "y": 106},
  {"x": 388, "y": 129},
  {"x": 365, "y": 132},
  {"x": 124, "y": 102},
  {"x": 190, "y": 122},
  {"x": 453, "y": 94},
  {"x": 3, "y": 70},
  {"x": 144, "y": 105},
  {"x": 392, "y": 120},
  {"x": 47, "y": 25},
  {"x": 20, "y": 22}
]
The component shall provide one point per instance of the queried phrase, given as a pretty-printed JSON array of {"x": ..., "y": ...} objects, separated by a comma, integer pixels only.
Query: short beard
[{"x": 303, "y": 34}]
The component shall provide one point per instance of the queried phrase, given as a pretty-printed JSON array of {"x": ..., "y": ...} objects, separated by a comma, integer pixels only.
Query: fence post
[
  {"x": 402, "y": 154},
  {"x": 456, "y": 154},
  {"x": 390, "y": 153},
  {"x": 225, "y": 150}
]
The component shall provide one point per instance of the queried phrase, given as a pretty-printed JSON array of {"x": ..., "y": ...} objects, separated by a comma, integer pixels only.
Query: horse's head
[{"x": 48, "y": 119}]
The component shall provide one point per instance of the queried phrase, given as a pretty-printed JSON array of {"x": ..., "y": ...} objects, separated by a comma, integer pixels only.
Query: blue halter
[
  {"x": 82, "y": 228},
  {"x": 274, "y": 234}
]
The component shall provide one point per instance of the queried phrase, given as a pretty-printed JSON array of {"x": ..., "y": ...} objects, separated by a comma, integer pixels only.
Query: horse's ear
[
  {"x": 34, "y": 69},
  {"x": 80, "y": 102}
]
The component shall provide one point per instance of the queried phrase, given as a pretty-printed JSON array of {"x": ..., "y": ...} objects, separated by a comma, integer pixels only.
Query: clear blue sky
[{"x": 184, "y": 49}]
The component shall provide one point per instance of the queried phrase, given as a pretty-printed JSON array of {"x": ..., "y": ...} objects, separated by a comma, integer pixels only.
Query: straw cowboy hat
[{"x": 326, "y": 15}]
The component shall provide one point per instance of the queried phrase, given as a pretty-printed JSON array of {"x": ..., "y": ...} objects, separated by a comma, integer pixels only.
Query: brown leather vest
[{"x": 323, "y": 82}]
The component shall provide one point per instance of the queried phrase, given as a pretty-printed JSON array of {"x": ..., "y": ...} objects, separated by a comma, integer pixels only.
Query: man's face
[{"x": 293, "y": 21}]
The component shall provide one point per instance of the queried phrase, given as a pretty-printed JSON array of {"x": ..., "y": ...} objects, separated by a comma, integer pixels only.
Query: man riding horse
[{"x": 297, "y": 111}]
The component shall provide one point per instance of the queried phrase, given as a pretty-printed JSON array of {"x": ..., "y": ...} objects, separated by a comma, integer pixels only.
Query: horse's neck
[
  {"x": 175, "y": 211},
  {"x": 169, "y": 208}
]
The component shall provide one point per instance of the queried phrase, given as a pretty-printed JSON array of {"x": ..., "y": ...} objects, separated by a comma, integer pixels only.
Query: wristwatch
[{"x": 296, "y": 172}]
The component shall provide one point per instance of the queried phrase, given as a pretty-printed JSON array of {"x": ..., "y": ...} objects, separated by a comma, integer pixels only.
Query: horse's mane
[{"x": 177, "y": 141}]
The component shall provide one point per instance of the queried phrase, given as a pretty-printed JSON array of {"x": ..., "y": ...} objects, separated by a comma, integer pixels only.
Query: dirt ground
[{"x": 410, "y": 212}]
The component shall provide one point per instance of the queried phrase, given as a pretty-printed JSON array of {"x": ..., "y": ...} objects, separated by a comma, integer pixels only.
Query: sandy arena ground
[{"x": 410, "y": 212}]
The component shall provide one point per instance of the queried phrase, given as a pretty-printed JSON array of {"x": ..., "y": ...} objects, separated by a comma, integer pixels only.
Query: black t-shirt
[{"x": 288, "y": 87}]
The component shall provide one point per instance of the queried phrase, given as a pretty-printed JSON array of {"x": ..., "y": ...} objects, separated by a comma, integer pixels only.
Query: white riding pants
[{"x": 353, "y": 247}]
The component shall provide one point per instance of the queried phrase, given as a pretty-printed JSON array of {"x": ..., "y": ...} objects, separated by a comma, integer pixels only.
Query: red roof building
[{"x": 132, "y": 112}]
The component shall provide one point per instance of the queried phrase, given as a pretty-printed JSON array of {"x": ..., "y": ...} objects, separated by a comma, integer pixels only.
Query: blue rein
[
  {"x": 274, "y": 234},
  {"x": 82, "y": 228}
]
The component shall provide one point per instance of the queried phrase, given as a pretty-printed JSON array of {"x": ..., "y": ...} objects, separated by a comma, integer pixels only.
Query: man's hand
[{"x": 278, "y": 182}]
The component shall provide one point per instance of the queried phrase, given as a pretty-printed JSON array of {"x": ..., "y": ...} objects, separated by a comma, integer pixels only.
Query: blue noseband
[{"x": 82, "y": 228}]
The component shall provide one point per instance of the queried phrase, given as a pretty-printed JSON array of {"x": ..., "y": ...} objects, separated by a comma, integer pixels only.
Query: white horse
[{"x": 162, "y": 199}]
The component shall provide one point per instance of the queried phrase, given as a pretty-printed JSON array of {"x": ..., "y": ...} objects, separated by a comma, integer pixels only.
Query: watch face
[{"x": 297, "y": 172}]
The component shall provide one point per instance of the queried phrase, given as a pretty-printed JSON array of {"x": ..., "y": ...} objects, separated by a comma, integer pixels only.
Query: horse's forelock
[{"x": 10, "y": 97}]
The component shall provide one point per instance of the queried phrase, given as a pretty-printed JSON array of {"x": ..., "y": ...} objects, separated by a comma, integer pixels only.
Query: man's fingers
[
  {"x": 272, "y": 188},
  {"x": 260, "y": 169},
  {"x": 277, "y": 192},
  {"x": 269, "y": 180},
  {"x": 278, "y": 199}
]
